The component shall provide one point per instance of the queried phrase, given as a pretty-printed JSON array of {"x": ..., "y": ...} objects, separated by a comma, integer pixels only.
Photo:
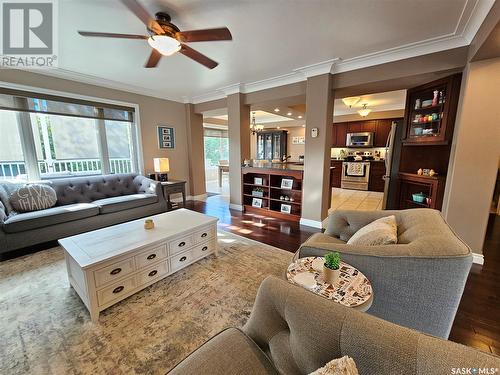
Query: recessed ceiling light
[
  {"x": 276, "y": 109},
  {"x": 289, "y": 114},
  {"x": 299, "y": 117},
  {"x": 304, "y": 125},
  {"x": 277, "y": 127}
]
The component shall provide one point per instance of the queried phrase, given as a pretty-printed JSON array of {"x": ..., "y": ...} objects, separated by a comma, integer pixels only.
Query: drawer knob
[
  {"x": 204, "y": 235},
  {"x": 152, "y": 273},
  {"x": 205, "y": 248},
  {"x": 182, "y": 244},
  {"x": 183, "y": 259},
  {"x": 118, "y": 289},
  {"x": 152, "y": 256},
  {"x": 116, "y": 271}
]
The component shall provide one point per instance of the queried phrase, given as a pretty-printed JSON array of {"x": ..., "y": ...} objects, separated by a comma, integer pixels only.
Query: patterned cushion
[
  {"x": 338, "y": 366},
  {"x": 33, "y": 197},
  {"x": 383, "y": 231}
]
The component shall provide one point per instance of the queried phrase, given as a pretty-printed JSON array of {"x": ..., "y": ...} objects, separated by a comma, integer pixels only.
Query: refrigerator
[{"x": 392, "y": 155}]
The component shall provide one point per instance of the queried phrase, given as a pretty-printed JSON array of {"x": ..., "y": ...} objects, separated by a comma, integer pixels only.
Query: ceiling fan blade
[
  {"x": 112, "y": 35},
  {"x": 198, "y": 57},
  {"x": 204, "y": 35},
  {"x": 154, "y": 59},
  {"x": 143, "y": 15}
]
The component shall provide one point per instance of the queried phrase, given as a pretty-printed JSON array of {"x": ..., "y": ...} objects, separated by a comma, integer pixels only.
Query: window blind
[
  {"x": 216, "y": 133},
  {"x": 55, "y": 105}
]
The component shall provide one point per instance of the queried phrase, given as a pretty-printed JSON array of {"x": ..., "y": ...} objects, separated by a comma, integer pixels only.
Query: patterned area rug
[{"x": 46, "y": 329}]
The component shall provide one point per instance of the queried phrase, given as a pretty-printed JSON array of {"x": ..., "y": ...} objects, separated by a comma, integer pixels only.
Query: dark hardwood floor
[{"x": 477, "y": 323}]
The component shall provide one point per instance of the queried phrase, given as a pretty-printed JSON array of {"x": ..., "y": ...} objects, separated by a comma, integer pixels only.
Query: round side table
[{"x": 352, "y": 289}]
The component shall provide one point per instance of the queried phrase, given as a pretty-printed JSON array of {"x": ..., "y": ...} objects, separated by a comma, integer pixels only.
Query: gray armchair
[
  {"x": 417, "y": 282},
  {"x": 293, "y": 331}
]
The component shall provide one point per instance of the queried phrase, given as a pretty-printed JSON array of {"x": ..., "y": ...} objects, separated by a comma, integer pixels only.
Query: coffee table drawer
[
  {"x": 180, "y": 244},
  {"x": 116, "y": 291},
  {"x": 204, "y": 234},
  {"x": 152, "y": 273},
  {"x": 181, "y": 260},
  {"x": 203, "y": 250},
  {"x": 150, "y": 256},
  {"x": 114, "y": 271}
]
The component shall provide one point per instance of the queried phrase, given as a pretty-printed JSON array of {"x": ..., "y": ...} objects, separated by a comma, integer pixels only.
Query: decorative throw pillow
[
  {"x": 383, "y": 231},
  {"x": 338, "y": 366},
  {"x": 33, "y": 197}
]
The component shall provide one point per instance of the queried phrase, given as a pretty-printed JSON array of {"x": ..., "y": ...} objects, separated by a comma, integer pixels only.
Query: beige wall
[
  {"x": 475, "y": 153},
  {"x": 153, "y": 112}
]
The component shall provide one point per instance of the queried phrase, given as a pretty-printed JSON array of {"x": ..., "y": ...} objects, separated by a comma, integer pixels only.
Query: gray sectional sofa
[
  {"x": 418, "y": 282},
  {"x": 83, "y": 204},
  {"x": 293, "y": 331}
]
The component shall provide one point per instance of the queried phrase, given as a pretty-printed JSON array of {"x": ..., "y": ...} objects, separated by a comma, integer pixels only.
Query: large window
[
  {"x": 48, "y": 137},
  {"x": 216, "y": 144}
]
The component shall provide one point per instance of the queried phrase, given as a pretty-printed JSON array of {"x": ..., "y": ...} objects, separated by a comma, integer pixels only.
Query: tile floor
[{"x": 345, "y": 199}]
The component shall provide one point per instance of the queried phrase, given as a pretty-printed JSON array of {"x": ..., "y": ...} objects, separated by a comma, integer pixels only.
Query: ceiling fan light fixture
[
  {"x": 365, "y": 111},
  {"x": 164, "y": 44},
  {"x": 350, "y": 101}
]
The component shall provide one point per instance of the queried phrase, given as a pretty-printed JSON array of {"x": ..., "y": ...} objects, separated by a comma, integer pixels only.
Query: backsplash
[{"x": 335, "y": 151}]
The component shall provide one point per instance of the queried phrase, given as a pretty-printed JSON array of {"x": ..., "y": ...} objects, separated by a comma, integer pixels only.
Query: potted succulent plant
[{"x": 331, "y": 267}]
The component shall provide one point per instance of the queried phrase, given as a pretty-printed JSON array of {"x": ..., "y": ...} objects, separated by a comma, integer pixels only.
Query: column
[
  {"x": 239, "y": 145},
  {"x": 195, "y": 152},
  {"x": 316, "y": 185}
]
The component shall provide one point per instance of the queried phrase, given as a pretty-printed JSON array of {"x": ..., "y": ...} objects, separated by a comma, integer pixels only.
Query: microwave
[{"x": 359, "y": 139}]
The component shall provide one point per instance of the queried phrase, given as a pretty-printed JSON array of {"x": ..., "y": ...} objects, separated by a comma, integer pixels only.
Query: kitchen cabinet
[
  {"x": 336, "y": 173},
  {"x": 376, "y": 181},
  {"x": 382, "y": 130},
  {"x": 339, "y": 134},
  {"x": 271, "y": 145},
  {"x": 355, "y": 126}
]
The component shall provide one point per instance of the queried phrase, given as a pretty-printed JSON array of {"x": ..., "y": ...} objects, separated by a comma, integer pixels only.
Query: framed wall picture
[
  {"x": 258, "y": 181},
  {"x": 286, "y": 208},
  {"x": 257, "y": 202},
  {"x": 166, "y": 137},
  {"x": 287, "y": 183}
]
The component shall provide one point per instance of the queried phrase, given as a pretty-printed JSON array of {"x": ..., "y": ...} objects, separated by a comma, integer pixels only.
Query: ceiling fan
[{"x": 165, "y": 38}]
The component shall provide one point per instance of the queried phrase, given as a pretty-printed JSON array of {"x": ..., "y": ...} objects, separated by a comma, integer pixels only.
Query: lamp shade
[{"x": 161, "y": 165}]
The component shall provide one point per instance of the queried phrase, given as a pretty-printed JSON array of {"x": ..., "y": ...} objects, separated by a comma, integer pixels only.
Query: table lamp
[{"x": 161, "y": 167}]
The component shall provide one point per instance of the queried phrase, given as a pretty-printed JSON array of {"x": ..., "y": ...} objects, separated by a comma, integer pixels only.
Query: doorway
[{"x": 216, "y": 154}]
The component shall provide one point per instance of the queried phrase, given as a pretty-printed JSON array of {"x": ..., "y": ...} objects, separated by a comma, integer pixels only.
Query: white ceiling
[{"x": 271, "y": 38}]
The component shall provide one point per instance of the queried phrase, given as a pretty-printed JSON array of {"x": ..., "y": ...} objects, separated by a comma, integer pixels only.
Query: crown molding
[
  {"x": 325, "y": 67},
  {"x": 102, "y": 82}
]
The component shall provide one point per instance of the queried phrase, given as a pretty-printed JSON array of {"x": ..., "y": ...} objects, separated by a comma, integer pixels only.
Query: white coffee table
[{"x": 108, "y": 265}]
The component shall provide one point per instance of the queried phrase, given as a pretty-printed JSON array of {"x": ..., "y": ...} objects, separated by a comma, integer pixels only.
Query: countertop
[{"x": 277, "y": 166}]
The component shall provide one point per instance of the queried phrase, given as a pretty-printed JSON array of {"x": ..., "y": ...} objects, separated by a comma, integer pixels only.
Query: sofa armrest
[
  {"x": 148, "y": 186},
  {"x": 3, "y": 214}
]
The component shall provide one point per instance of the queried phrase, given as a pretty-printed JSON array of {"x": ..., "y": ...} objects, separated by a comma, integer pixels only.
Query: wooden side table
[
  {"x": 222, "y": 168},
  {"x": 352, "y": 289},
  {"x": 174, "y": 187}
]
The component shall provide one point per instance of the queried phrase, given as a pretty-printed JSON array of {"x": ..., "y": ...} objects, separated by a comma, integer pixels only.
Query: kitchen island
[{"x": 273, "y": 189}]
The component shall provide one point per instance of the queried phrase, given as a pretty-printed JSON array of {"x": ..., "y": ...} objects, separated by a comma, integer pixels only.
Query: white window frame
[{"x": 28, "y": 142}]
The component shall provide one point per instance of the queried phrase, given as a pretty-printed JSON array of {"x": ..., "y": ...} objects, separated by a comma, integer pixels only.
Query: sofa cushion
[
  {"x": 20, "y": 222},
  {"x": 88, "y": 189},
  {"x": 383, "y": 231},
  {"x": 124, "y": 202},
  {"x": 231, "y": 352},
  {"x": 33, "y": 197}
]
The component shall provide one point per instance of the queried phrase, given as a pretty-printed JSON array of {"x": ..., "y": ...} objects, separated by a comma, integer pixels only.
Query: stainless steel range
[{"x": 355, "y": 175}]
